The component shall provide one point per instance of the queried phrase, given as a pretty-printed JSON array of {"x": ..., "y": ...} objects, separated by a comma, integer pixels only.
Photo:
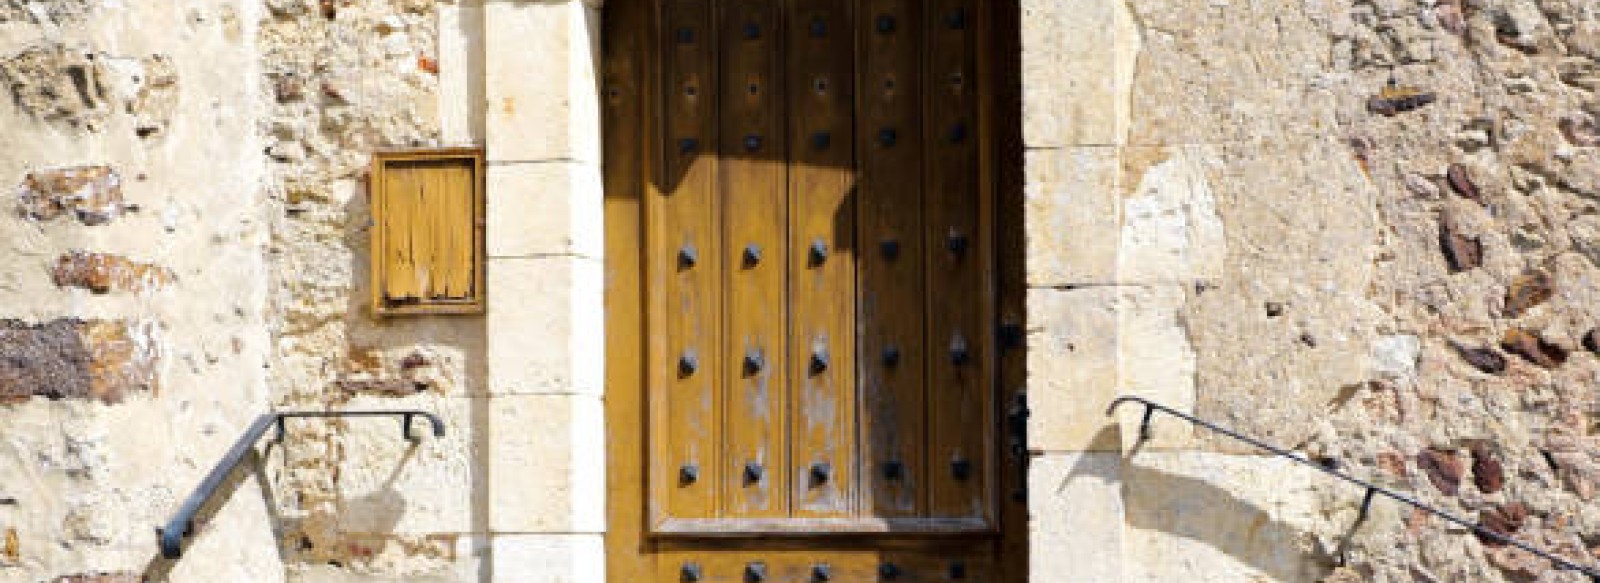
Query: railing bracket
[{"x": 182, "y": 524}]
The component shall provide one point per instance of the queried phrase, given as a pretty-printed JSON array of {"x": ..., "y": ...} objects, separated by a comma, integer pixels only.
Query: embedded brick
[
  {"x": 91, "y": 194},
  {"x": 1443, "y": 468},
  {"x": 103, "y": 360},
  {"x": 104, "y": 272}
]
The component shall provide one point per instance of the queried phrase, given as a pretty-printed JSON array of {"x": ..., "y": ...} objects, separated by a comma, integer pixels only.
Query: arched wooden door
[{"x": 812, "y": 264}]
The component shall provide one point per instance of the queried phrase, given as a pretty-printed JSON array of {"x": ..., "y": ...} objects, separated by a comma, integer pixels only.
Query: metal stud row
[{"x": 756, "y": 572}]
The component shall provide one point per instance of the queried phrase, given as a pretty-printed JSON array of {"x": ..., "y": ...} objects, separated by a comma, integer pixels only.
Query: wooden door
[{"x": 810, "y": 262}]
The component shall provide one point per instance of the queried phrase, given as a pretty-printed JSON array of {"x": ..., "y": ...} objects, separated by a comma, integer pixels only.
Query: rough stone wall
[
  {"x": 132, "y": 328},
  {"x": 344, "y": 80},
  {"x": 1363, "y": 229}
]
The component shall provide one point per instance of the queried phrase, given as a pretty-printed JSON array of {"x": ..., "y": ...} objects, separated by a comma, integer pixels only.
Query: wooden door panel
[
  {"x": 815, "y": 249},
  {"x": 683, "y": 255},
  {"x": 822, "y": 246},
  {"x": 754, "y": 196},
  {"x": 891, "y": 258},
  {"x": 959, "y": 384}
]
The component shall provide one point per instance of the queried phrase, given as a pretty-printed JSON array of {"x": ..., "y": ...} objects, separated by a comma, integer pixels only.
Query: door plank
[
  {"x": 688, "y": 361},
  {"x": 626, "y": 95},
  {"x": 890, "y": 258},
  {"x": 821, "y": 99},
  {"x": 754, "y": 196},
  {"x": 959, "y": 351}
]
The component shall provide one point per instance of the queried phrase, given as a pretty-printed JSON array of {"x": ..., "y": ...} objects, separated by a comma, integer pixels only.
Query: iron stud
[
  {"x": 690, "y": 572},
  {"x": 957, "y": 19},
  {"x": 820, "y": 472},
  {"x": 689, "y": 474},
  {"x": 958, "y": 570},
  {"x": 685, "y": 35},
  {"x": 960, "y": 355},
  {"x": 891, "y": 355},
  {"x": 819, "y": 252},
  {"x": 960, "y": 469},
  {"x": 752, "y": 30},
  {"x": 752, "y": 143},
  {"x": 890, "y": 249},
  {"x": 821, "y": 572},
  {"x": 753, "y": 362},
  {"x": 894, "y": 470},
  {"x": 819, "y": 28},
  {"x": 957, "y": 242},
  {"x": 887, "y": 137},
  {"x": 688, "y": 256},
  {"x": 821, "y": 140},
  {"x": 886, "y": 24},
  {"x": 1011, "y": 336},
  {"x": 755, "y": 572},
  {"x": 688, "y": 145},
  {"x": 819, "y": 361},
  {"x": 958, "y": 133},
  {"x": 752, "y": 255},
  {"x": 688, "y": 364},
  {"x": 889, "y": 571},
  {"x": 752, "y": 473}
]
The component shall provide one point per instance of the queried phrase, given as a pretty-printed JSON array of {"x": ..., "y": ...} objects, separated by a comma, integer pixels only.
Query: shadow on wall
[
  {"x": 159, "y": 568},
  {"x": 1165, "y": 505}
]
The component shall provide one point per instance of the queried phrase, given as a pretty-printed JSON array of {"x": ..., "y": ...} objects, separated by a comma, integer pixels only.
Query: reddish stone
[
  {"x": 1533, "y": 349},
  {"x": 1487, "y": 472},
  {"x": 118, "y": 577},
  {"x": 1461, "y": 182},
  {"x": 1504, "y": 520},
  {"x": 1393, "y": 463},
  {"x": 1485, "y": 359},
  {"x": 101, "y": 273},
  {"x": 1526, "y": 291},
  {"x": 1461, "y": 252},
  {"x": 1444, "y": 469},
  {"x": 76, "y": 359},
  {"x": 93, "y": 194}
]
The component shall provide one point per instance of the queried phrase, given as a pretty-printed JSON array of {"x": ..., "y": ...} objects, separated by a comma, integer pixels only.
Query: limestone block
[
  {"x": 1072, "y": 216},
  {"x": 1215, "y": 517},
  {"x": 389, "y": 486},
  {"x": 1072, "y": 368},
  {"x": 1171, "y": 231},
  {"x": 1078, "y": 61},
  {"x": 545, "y": 468},
  {"x": 1157, "y": 362},
  {"x": 1076, "y": 531},
  {"x": 549, "y": 208},
  {"x": 1288, "y": 323},
  {"x": 550, "y": 558},
  {"x": 545, "y": 326},
  {"x": 461, "y": 75},
  {"x": 541, "y": 83}
]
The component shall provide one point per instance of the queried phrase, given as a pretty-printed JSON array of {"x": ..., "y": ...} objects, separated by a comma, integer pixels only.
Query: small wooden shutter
[{"x": 427, "y": 232}]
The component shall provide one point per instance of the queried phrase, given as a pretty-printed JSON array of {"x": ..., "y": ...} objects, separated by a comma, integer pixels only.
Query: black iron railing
[
  {"x": 1372, "y": 490},
  {"x": 182, "y": 523}
]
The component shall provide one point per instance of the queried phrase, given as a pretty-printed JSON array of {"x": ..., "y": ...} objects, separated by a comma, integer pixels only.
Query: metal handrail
[
  {"x": 182, "y": 523},
  {"x": 1151, "y": 407}
]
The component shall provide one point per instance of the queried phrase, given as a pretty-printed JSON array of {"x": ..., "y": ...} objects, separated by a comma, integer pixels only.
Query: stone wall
[
  {"x": 133, "y": 338},
  {"x": 1356, "y": 228}
]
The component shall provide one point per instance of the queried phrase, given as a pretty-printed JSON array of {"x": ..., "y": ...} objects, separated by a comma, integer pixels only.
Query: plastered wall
[{"x": 132, "y": 285}]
